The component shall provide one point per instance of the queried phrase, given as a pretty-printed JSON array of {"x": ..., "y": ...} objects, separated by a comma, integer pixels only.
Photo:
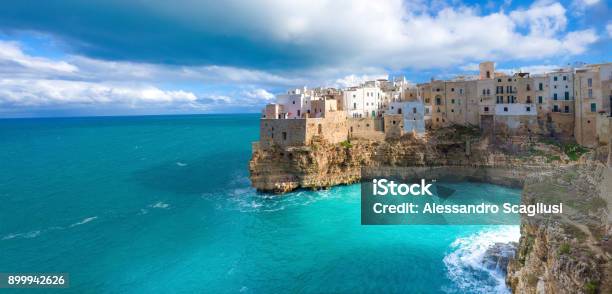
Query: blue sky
[{"x": 70, "y": 57}]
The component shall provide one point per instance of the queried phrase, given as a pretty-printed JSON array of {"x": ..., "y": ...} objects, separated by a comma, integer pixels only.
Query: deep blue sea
[{"x": 163, "y": 204}]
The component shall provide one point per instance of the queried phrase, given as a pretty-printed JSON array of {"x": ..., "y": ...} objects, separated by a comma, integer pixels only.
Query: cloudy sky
[{"x": 113, "y": 57}]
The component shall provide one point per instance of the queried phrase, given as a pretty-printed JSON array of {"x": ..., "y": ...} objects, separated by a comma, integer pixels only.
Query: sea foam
[{"x": 466, "y": 264}]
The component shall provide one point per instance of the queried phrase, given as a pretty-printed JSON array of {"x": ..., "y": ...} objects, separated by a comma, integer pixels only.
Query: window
[
  {"x": 528, "y": 87},
  {"x": 414, "y": 110},
  {"x": 556, "y": 108},
  {"x": 528, "y": 99},
  {"x": 555, "y": 96},
  {"x": 452, "y": 101},
  {"x": 540, "y": 99},
  {"x": 566, "y": 109},
  {"x": 555, "y": 79},
  {"x": 590, "y": 82},
  {"x": 593, "y": 107},
  {"x": 452, "y": 110},
  {"x": 499, "y": 80},
  {"x": 505, "y": 109},
  {"x": 565, "y": 78},
  {"x": 284, "y": 135},
  {"x": 540, "y": 86},
  {"x": 460, "y": 91},
  {"x": 452, "y": 89},
  {"x": 590, "y": 93},
  {"x": 488, "y": 74},
  {"x": 293, "y": 101},
  {"x": 486, "y": 109},
  {"x": 566, "y": 95},
  {"x": 299, "y": 112},
  {"x": 528, "y": 109},
  {"x": 438, "y": 101}
]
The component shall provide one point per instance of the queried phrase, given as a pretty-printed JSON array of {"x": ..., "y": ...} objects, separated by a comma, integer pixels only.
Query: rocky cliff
[
  {"x": 568, "y": 253},
  {"x": 321, "y": 165}
]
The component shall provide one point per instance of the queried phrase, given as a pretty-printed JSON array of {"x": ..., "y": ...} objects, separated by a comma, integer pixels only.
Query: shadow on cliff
[{"x": 196, "y": 176}]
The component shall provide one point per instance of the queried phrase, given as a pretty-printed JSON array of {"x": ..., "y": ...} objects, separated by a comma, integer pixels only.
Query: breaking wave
[
  {"x": 467, "y": 264},
  {"x": 84, "y": 221}
]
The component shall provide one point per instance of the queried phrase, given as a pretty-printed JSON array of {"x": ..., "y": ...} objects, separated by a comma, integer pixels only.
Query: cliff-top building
[{"x": 566, "y": 103}]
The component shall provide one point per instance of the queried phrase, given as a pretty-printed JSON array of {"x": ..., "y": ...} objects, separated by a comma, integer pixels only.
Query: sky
[{"x": 114, "y": 57}]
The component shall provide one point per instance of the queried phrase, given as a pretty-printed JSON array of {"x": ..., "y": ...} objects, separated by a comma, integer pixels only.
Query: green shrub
[
  {"x": 565, "y": 248},
  {"x": 346, "y": 144},
  {"x": 590, "y": 287},
  {"x": 552, "y": 158},
  {"x": 574, "y": 151}
]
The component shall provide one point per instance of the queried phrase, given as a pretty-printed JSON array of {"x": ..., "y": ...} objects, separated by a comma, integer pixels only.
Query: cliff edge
[{"x": 570, "y": 253}]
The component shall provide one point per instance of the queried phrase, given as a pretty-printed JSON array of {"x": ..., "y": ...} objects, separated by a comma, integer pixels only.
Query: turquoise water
[{"x": 163, "y": 204}]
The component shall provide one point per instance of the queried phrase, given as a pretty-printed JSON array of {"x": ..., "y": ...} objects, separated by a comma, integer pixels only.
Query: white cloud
[
  {"x": 577, "y": 42},
  {"x": 11, "y": 53},
  {"x": 579, "y": 7},
  {"x": 26, "y": 92},
  {"x": 259, "y": 95},
  {"x": 392, "y": 33},
  {"x": 355, "y": 80},
  {"x": 532, "y": 69},
  {"x": 470, "y": 67},
  {"x": 609, "y": 29}
]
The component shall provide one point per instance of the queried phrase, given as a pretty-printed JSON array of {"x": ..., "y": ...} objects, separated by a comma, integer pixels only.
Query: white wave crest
[
  {"x": 160, "y": 205},
  {"x": 181, "y": 164},
  {"x": 84, "y": 221},
  {"x": 28, "y": 235},
  {"x": 466, "y": 263}
]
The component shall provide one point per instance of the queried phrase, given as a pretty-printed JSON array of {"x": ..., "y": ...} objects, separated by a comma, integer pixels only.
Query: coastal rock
[
  {"x": 321, "y": 165},
  {"x": 499, "y": 255},
  {"x": 564, "y": 254}
]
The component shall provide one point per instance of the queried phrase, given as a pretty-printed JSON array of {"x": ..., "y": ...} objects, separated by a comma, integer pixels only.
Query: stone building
[
  {"x": 566, "y": 103},
  {"x": 592, "y": 98}
]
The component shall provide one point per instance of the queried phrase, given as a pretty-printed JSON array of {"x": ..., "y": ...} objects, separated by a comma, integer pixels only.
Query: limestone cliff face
[
  {"x": 568, "y": 253},
  {"x": 322, "y": 165}
]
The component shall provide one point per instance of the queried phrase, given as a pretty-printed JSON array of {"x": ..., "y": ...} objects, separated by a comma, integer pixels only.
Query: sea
[{"x": 163, "y": 204}]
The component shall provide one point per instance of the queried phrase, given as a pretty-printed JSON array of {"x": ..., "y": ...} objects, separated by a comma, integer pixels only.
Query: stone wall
[
  {"x": 282, "y": 132},
  {"x": 516, "y": 125},
  {"x": 369, "y": 128},
  {"x": 394, "y": 126},
  {"x": 602, "y": 128},
  {"x": 301, "y": 131},
  {"x": 561, "y": 125},
  {"x": 332, "y": 128}
]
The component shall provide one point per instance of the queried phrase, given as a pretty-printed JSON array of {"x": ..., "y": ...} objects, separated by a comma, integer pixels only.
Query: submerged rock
[{"x": 499, "y": 255}]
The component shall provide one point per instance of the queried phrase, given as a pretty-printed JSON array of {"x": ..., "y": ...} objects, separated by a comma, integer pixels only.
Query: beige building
[{"x": 592, "y": 97}]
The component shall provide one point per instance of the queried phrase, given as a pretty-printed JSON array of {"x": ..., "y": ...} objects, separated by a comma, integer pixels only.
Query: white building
[
  {"x": 295, "y": 102},
  {"x": 508, "y": 109},
  {"x": 366, "y": 100},
  {"x": 413, "y": 113}
]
